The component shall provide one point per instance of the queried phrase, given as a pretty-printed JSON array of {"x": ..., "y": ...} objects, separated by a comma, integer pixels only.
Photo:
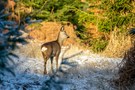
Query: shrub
[
  {"x": 10, "y": 35},
  {"x": 99, "y": 44}
]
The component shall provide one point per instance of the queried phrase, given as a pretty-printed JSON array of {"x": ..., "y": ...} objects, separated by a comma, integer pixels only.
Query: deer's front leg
[{"x": 57, "y": 59}]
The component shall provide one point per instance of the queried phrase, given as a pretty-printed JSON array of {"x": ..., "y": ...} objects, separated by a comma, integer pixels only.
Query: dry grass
[
  {"x": 31, "y": 50},
  {"x": 48, "y": 31},
  {"x": 119, "y": 43},
  {"x": 73, "y": 51},
  {"x": 126, "y": 74}
]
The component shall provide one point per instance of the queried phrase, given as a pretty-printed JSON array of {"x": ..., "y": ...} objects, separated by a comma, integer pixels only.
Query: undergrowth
[{"x": 98, "y": 45}]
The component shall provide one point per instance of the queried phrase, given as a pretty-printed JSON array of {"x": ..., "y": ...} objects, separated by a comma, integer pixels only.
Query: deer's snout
[{"x": 67, "y": 36}]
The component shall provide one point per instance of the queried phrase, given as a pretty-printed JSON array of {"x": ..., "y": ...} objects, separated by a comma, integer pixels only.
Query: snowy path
[
  {"x": 81, "y": 72},
  {"x": 92, "y": 72}
]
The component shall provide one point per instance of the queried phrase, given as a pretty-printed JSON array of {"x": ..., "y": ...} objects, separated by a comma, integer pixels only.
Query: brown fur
[{"x": 53, "y": 49}]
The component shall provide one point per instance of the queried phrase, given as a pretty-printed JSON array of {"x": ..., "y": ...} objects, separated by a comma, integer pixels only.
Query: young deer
[{"x": 53, "y": 49}]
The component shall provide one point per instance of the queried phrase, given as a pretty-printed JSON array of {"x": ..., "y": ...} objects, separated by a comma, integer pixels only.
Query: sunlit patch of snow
[{"x": 85, "y": 71}]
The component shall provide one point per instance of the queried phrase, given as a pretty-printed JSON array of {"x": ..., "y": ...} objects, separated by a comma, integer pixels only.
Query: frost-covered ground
[{"x": 84, "y": 71}]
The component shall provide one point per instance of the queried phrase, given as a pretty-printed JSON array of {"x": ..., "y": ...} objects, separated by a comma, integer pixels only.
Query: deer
[{"x": 52, "y": 49}]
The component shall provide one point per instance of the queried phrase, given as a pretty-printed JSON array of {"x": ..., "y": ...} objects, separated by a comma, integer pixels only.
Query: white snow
[{"x": 85, "y": 71}]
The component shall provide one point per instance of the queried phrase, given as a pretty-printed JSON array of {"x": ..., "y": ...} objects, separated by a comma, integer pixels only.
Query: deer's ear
[{"x": 62, "y": 28}]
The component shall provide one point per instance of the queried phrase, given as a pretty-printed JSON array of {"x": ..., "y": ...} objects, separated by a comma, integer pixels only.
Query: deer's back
[{"x": 51, "y": 48}]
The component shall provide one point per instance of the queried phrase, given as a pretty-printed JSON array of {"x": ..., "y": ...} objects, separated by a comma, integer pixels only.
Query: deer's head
[{"x": 62, "y": 35}]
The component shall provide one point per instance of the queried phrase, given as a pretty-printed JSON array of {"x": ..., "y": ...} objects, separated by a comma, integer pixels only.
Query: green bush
[
  {"x": 117, "y": 13},
  {"x": 98, "y": 45},
  {"x": 113, "y": 14},
  {"x": 104, "y": 26}
]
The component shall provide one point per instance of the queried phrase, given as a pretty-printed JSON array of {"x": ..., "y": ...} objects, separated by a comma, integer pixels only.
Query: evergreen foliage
[
  {"x": 73, "y": 11},
  {"x": 55, "y": 10},
  {"x": 114, "y": 14},
  {"x": 98, "y": 44},
  {"x": 118, "y": 13},
  {"x": 10, "y": 32}
]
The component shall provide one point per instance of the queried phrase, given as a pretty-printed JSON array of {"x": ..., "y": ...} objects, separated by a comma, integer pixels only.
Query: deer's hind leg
[
  {"x": 52, "y": 58},
  {"x": 45, "y": 62}
]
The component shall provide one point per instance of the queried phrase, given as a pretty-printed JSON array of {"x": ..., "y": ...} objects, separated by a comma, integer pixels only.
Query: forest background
[{"x": 102, "y": 25}]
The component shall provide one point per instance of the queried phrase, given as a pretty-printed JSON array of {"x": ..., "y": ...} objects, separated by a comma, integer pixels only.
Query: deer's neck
[{"x": 60, "y": 41}]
